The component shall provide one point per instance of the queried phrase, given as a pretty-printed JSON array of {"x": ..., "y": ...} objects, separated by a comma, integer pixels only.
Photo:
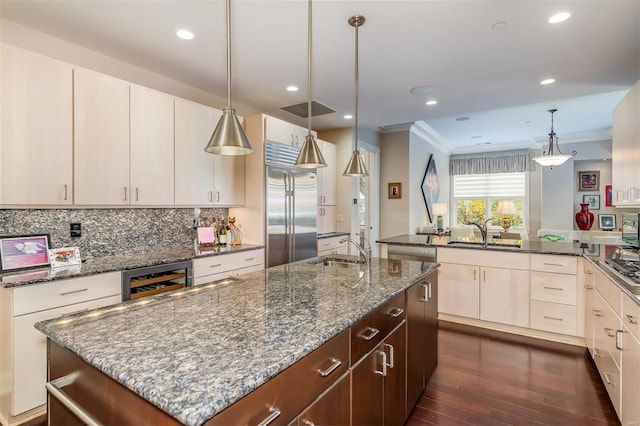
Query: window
[{"x": 476, "y": 197}]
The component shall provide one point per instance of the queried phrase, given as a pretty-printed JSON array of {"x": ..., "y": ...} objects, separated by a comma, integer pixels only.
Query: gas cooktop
[{"x": 630, "y": 269}]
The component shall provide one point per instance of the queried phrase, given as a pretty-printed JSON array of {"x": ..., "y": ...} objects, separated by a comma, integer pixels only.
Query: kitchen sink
[{"x": 338, "y": 262}]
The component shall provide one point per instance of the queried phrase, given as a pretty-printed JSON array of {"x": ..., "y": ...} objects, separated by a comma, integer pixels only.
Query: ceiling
[{"x": 490, "y": 76}]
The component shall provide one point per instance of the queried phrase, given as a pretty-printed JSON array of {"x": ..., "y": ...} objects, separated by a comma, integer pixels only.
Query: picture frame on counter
[
  {"x": 24, "y": 251},
  {"x": 589, "y": 180},
  {"x": 64, "y": 256},
  {"x": 607, "y": 222},
  {"x": 592, "y": 200},
  {"x": 608, "y": 195}
]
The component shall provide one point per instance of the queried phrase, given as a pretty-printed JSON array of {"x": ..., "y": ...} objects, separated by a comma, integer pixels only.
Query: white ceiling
[{"x": 490, "y": 76}]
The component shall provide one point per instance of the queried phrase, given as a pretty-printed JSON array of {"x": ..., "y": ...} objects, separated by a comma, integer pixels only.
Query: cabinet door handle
[
  {"x": 597, "y": 312},
  {"x": 125, "y": 193},
  {"x": 216, "y": 265},
  {"x": 631, "y": 319},
  {"x": 65, "y": 192},
  {"x": 607, "y": 379},
  {"x": 609, "y": 332},
  {"x": 588, "y": 286},
  {"x": 588, "y": 272},
  {"x": 427, "y": 292},
  {"x": 390, "y": 363},
  {"x": 249, "y": 258},
  {"x": 595, "y": 353},
  {"x": 308, "y": 422},
  {"x": 383, "y": 373},
  {"x": 210, "y": 196},
  {"x": 619, "y": 339},
  {"x": 553, "y": 318},
  {"x": 335, "y": 363},
  {"x": 137, "y": 193},
  {"x": 64, "y": 293},
  {"x": 553, "y": 288},
  {"x": 484, "y": 276},
  {"x": 553, "y": 264},
  {"x": 217, "y": 196},
  {"x": 275, "y": 413},
  {"x": 55, "y": 389},
  {"x": 396, "y": 312},
  {"x": 372, "y": 333},
  {"x": 475, "y": 271}
]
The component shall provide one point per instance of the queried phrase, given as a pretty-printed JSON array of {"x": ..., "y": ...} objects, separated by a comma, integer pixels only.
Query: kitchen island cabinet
[{"x": 242, "y": 334}]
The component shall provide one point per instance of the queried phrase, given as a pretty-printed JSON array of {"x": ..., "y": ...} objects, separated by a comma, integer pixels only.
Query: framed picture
[
  {"x": 592, "y": 200},
  {"x": 607, "y": 221},
  {"x": 592, "y": 250},
  {"x": 608, "y": 196},
  {"x": 430, "y": 187},
  {"x": 395, "y": 190},
  {"x": 64, "y": 256},
  {"x": 589, "y": 181},
  {"x": 25, "y": 251}
]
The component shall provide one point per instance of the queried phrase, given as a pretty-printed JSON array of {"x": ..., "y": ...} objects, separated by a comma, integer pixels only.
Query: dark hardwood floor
[{"x": 491, "y": 378}]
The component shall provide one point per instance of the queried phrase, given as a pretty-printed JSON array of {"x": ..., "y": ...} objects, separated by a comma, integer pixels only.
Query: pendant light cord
[
  {"x": 229, "y": 53},
  {"x": 309, "y": 7},
  {"x": 357, "y": 24}
]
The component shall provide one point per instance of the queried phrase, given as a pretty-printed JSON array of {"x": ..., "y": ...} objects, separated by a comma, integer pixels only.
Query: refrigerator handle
[{"x": 292, "y": 216}]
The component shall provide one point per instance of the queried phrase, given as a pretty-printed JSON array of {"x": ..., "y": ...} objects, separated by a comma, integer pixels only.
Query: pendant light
[
  {"x": 310, "y": 156},
  {"x": 228, "y": 137},
  {"x": 548, "y": 158},
  {"x": 356, "y": 167}
]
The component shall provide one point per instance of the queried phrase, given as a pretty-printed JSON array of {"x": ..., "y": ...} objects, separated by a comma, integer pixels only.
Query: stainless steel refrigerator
[{"x": 291, "y": 207}]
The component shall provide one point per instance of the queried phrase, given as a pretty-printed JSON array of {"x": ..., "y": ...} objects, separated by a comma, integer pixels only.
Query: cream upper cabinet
[
  {"x": 327, "y": 175},
  {"x": 228, "y": 180},
  {"x": 151, "y": 147},
  {"x": 626, "y": 150},
  {"x": 36, "y": 152},
  {"x": 101, "y": 134},
  {"x": 194, "y": 167},
  {"x": 277, "y": 130},
  {"x": 327, "y": 219}
]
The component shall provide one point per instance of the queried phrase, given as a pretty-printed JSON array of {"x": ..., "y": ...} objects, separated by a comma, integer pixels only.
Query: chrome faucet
[
  {"x": 365, "y": 254},
  {"x": 483, "y": 231}
]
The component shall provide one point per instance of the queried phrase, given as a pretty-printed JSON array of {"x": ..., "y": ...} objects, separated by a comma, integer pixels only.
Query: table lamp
[
  {"x": 506, "y": 209},
  {"x": 439, "y": 209}
]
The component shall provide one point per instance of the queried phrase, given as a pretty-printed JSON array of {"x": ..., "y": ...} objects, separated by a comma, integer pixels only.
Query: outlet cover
[{"x": 75, "y": 230}]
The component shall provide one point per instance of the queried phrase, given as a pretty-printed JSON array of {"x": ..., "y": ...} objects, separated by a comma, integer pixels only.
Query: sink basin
[
  {"x": 479, "y": 244},
  {"x": 338, "y": 262}
]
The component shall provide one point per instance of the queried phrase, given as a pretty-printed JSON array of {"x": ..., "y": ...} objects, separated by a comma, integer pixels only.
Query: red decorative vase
[{"x": 584, "y": 218}]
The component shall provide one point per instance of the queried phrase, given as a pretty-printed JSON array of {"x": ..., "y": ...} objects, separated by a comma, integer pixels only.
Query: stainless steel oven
[{"x": 150, "y": 280}]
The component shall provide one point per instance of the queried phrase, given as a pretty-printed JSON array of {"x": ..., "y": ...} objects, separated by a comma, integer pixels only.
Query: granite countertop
[
  {"x": 541, "y": 246},
  {"x": 333, "y": 234},
  {"x": 194, "y": 352},
  {"x": 99, "y": 265}
]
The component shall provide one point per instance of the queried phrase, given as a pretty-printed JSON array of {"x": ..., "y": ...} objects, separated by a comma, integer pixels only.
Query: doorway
[{"x": 366, "y": 207}]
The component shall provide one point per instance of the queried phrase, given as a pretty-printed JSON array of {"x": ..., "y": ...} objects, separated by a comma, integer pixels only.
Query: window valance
[{"x": 491, "y": 162}]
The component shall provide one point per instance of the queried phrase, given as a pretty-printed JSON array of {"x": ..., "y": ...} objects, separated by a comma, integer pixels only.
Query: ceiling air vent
[{"x": 301, "y": 109}]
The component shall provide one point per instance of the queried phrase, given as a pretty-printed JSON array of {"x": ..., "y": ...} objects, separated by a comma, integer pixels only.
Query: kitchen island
[{"x": 194, "y": 353}]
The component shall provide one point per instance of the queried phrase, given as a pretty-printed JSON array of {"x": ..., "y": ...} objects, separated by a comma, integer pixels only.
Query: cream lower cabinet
[
  {"x": 469, "y": 290},
  {"x": 630, "y": 362},
  {"x": 36, "y": 133},
  {"x": 208, "y": 269},
  {"x": 23, "y": 362},
  {"x": 333, "y": 245}
]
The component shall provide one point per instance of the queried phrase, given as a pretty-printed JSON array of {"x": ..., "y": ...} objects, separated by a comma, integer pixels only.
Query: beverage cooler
[{"x": 147, "y": 281}]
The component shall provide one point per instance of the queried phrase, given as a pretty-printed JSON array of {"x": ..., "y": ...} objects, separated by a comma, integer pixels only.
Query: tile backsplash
[{"x": 108, "y": 231}]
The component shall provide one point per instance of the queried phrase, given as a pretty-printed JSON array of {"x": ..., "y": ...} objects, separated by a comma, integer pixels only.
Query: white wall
[{"x": 394, "y": 167}]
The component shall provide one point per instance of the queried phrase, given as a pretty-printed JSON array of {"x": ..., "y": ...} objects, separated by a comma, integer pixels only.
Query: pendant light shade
[
  {"x": 549, "y": 158},
  {"x": 356, "y": 167},
  {"x": 228, "y": 137},
  {"x": 310, "y": 156}
]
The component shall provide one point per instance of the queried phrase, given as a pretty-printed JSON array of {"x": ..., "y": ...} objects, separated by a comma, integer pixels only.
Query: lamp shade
[
  {"x": 551, "y": 160},
  {"x": 229, "y": 138},
  {"x": 506, "y": 208},
  {"x": 439, "y": 209},
  {"x": 310, "y": 156},
  {"x": 356, "y": 167}
]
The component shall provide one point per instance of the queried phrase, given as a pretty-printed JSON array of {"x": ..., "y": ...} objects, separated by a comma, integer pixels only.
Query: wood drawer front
[
  {"x": 610, "y": 375},
  {"x": 557, "y": 264},
  {"x": 556, "y": 288},
  {"x": 554, "y": 317},
  {"x": 377, "y": 324},
  {"x": 484, "y": 258},
  {"x": 631, "y": 315},
  {"x": 38, "y": 297},
  {"x": 605, "y": 324},
  {"x": 293, "y": 389},
  {"x": 226, "y": 262},
  {"x": 609, "y": 291}
]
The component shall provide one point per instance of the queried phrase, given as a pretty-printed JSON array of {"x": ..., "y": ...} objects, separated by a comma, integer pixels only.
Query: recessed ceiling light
[
  {"x": 462, "y": 118},
  {"x": 431, "y": 102},
  {"x": 548, "y": 81},
  {"x": 559, "y": 17},
  {"x": 292, "y": 88},
  {"x": 348, "y": 116},
  {"x": 421, "y": 90},
  {"x": 499, "y": 25},
  {"x": 476, "y": 137},
  {"x": 185, "y": 34}
]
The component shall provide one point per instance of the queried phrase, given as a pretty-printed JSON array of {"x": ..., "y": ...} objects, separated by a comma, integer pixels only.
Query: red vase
[{"x": 584, "y": 218}]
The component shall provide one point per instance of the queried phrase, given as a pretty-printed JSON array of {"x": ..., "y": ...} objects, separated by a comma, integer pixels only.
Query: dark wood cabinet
[
  {"x": 395, "y": 347},
  {"x": 331, "y": 408},
  {"x": 422, "y": 336}
]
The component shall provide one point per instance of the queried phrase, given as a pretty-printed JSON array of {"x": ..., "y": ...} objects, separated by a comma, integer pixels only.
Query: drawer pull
[
  {"x": 427, "y": 292},
  {"x": 308, "y": 423},
  {"x": 275, "y": 413},
  {"x": 383, "y": 373},
  {"x": 631, "y": 319},
  {"x": 595, "y": 353},
  {"x": 372, "y": 333},
  {"x": 606, "y": 378},
  {"x": 619, "y": 339},
  {"x": 553, "y": 264},
  {"x": 396, "y": 312},
  {"x": 64, "y": 293},
  {"x": 553, "y": 318},
  {"x": 553, "y": 288},
  {"x": 588, "y": 286},
  {"x": 390, "y": 363},
  {"x": 609, "y": 332},
  {"x": 74, "y": 312},
  {"x": 249, "y": 258},
  {"x": 588, "y": 272},
  {"x": 335, "y": 363},
  {"x": 54, "y": 388},
  {"x": 597, "y": 312},
  {"x": 216, "y": 265}
]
